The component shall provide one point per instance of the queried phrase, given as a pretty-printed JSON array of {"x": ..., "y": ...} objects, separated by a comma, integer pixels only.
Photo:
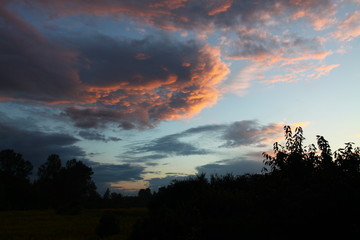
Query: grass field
[{"x": 47, "y": 225}]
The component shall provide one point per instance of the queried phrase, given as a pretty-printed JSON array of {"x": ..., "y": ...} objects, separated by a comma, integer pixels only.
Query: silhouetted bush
[{"x": 108, "y": 225}]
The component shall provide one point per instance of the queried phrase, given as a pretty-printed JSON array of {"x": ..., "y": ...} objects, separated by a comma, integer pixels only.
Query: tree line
[
  {"x": 303, "y": 190},
  {"x": 66, "y": 188}
]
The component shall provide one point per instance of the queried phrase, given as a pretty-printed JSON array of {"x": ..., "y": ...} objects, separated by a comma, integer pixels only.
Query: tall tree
[
  {"x": 49, "y": 182},
  {"x": 76, "y": 186},
  {"x": 50, "y": 169}
]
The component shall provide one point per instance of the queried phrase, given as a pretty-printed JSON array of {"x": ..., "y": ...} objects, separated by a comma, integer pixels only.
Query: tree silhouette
[
  {"x": 76, "y": 186},
  {"x": 14, "y": 180},
  {"x": 49, "y": 182},
  {"x": 50, "y": 169},
  {"x": 65, "y": 188}
]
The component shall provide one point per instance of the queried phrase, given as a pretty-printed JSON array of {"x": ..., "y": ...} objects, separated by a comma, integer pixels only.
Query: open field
[{"x": 47, "y": 225}]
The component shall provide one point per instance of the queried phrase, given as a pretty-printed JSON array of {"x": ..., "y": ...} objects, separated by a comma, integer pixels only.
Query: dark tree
[
  {"x": 15, "y": 187},
  {"x": 66, "y": 188},
  {"x": 348, "y": 159},
  {"x": 293, "y": 160},
  {"x": 49, "y": 182},
  {"x": 76, "y": 186},
  {"x": 50, "y": 169}
]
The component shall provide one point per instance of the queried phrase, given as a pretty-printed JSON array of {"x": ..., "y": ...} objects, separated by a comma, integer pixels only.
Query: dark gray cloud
[
  {"x": 99, "y": 79},
  {"x": 36, "y": 145},
  {"x": 196, "y": 14},
  {"x": 106, "y": 174},
  {"x": 95, "y": 136},
  {"x": 236, "y": 166},
  {"x": 137, "y": 83},
  {"x": 156, "y": 183},
  {"x": 31, "y": 67},
  {"x": 149, "y": 159},
  {"x": 170, "y": 145},
  {"x": 236, "y": 134},
  {"x": 249, "y": 132}
]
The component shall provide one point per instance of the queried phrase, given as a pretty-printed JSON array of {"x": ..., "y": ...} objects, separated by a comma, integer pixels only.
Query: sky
[{"x": 148, "y": 91}]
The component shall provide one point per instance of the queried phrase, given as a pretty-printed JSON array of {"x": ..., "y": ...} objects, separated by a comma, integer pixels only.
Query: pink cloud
[
  {"x": 322, "y": 70},
  {"x": 163, "y": 92},
  {"x": 219, "y": 6},
  {"x": 349, "y": 28}
]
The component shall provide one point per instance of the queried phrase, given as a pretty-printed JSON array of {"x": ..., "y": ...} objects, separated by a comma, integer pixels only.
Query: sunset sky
[{"x": 146, "y": 91}]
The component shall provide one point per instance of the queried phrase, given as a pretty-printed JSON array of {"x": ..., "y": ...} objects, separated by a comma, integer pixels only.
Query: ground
[{"x": 47, "y": 225}]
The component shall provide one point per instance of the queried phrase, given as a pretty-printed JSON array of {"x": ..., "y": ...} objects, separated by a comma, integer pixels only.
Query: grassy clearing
[{"x": 47, "y": 225}]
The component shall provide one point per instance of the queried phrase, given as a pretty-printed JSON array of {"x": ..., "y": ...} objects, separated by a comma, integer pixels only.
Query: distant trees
[{"x": 112, "y": 199}]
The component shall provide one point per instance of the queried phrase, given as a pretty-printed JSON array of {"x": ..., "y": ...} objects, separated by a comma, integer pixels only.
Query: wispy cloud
[
  {"x": 348, "y": 29},
  {"x": 95, "y": 136},
  {"x": 191, "y": 141},
  {"x": 236, "y": 166}
]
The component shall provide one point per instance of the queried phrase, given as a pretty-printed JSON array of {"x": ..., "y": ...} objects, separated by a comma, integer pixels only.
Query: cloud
[
  {"x": 249, "y": 132},
  {"x": 31, "y": 67},
  {"x": 193, "y": 140},
  {"x": 95, "y": 136},
  {"x": 236, "y": 166},
  {"x": 175, "y": 80},
  {"x": 170, "y": 145},
  {"x": 348, "y": 29},
  {"x": 149, "y": 159},
  {"x": 200, "y": 15},
  {"x": 106, "y": 174},
  {"x": 156, "y": 183},
  {"x": 36, "y": 145},
  {"x": 99, "y": 80},
  {"x": 267, "y": 52}
]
